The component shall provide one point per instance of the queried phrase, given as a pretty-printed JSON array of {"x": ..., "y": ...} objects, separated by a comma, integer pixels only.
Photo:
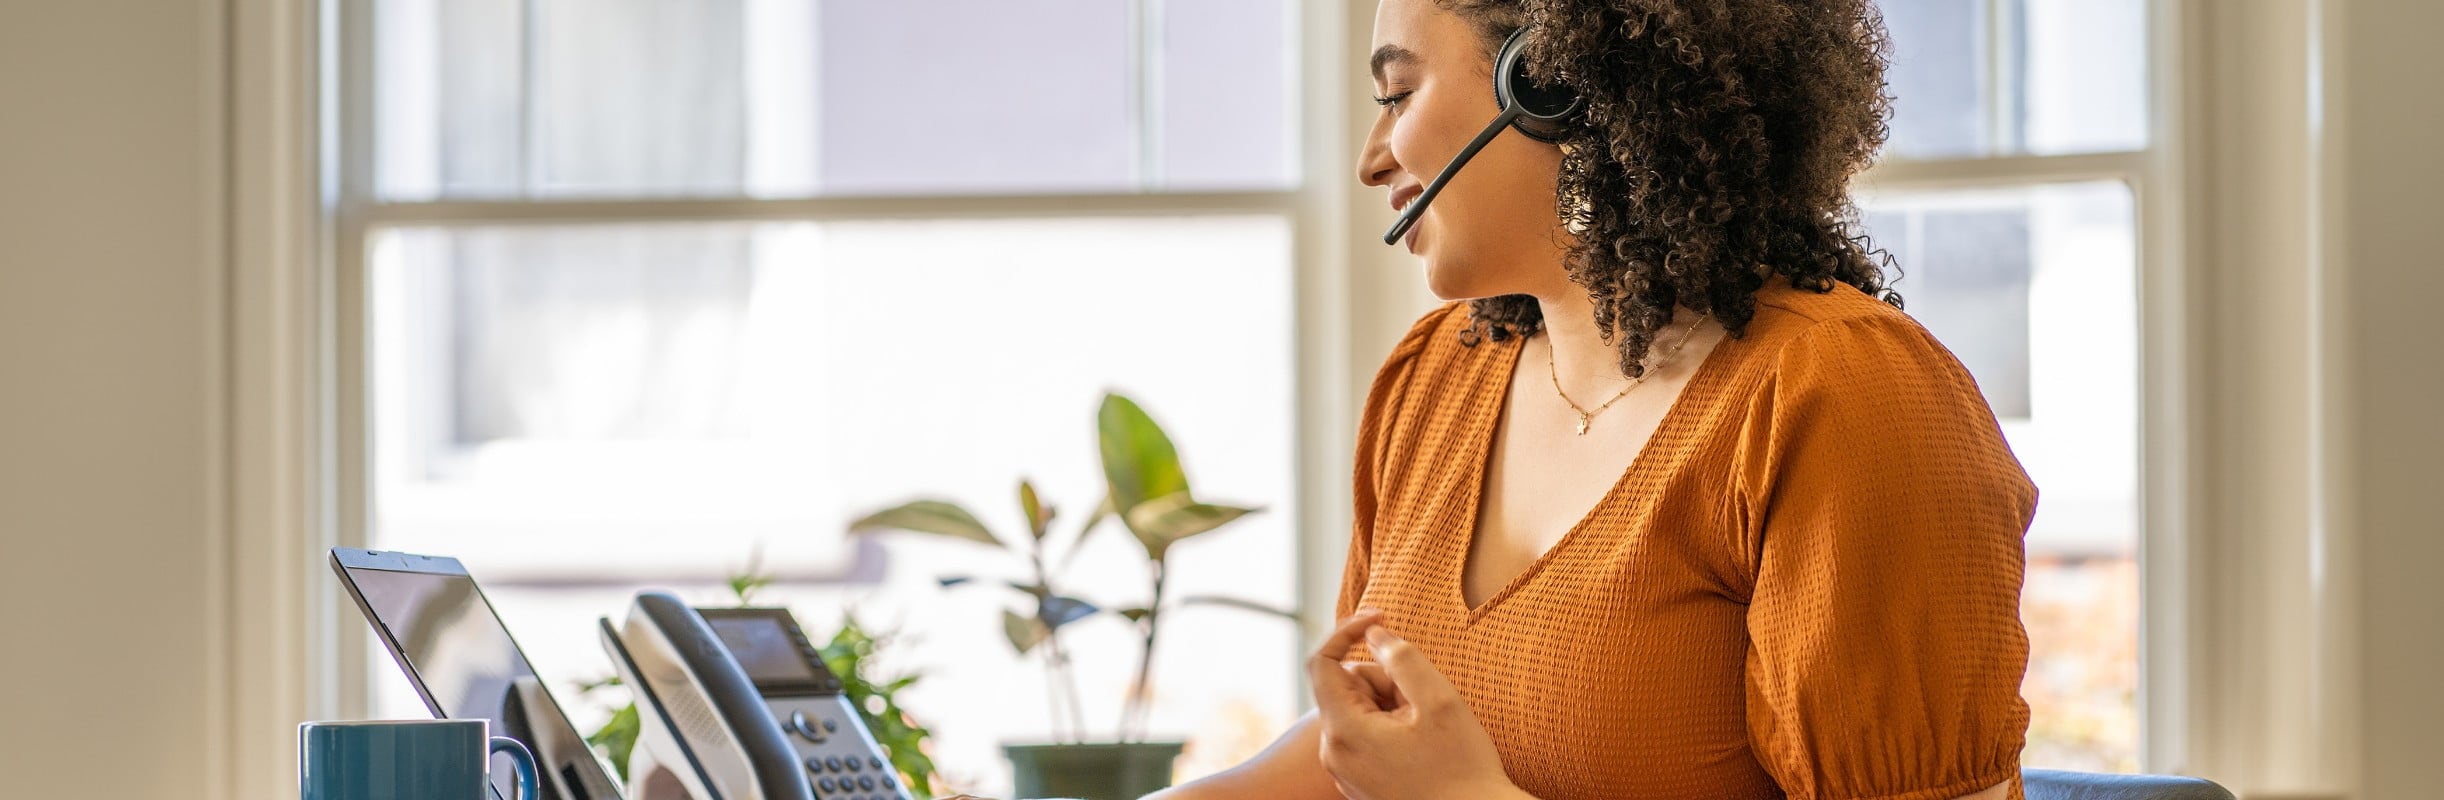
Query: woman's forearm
[
  {"x": 1288, "y": 769},
  {"x": 1996, "y": 792}
]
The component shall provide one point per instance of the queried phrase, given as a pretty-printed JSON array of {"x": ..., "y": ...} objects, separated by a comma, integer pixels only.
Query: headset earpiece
[{"x": 1539, "y": 102}]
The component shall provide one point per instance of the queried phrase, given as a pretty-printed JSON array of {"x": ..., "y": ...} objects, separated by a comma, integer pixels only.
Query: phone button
[{"x": 805, "y": 727}]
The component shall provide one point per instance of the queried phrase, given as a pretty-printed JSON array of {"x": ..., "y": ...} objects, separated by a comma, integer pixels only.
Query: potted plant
[{"x": 1148, "y": 494}]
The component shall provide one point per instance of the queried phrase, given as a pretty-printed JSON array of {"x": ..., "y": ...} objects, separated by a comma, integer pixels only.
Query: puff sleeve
[{"x": 1883, "y": 518}]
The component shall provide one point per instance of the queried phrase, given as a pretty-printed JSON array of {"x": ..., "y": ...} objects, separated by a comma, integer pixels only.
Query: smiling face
[{"x": 1493, "y": 230}]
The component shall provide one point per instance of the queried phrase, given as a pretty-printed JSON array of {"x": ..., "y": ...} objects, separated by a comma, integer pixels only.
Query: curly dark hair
[{"x": 1716, "y": 146}]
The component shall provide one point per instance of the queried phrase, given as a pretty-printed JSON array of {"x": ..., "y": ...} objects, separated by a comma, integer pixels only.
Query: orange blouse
[{"x": 1806, "y": 585}]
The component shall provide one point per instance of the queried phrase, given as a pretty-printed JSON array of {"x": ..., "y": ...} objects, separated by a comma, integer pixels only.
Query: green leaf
[
  {"x": 1024, "y": 632},
  {"x": 746, "y": 582},
  {"x": 1139, "y": 462},
  {"x": 744, "y": 587},
  {"x": 1039, "y": 516},
  {"x": 899, "y": 734},
  {"x": 603, "y": 682},
  {"x": 617, "y": 737},
  {"x": 1245, "y": 605},
  {"x": 1164, "y": 521},
  {"x": 927, "y": 516}
]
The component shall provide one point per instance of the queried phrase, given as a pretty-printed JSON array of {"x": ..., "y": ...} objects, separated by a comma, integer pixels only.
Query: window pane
[
  {"x": 581, "y": 411},
  {"x": 1224, "y": 113},
  {"x": 637, "y": 97},
  {"x": 2085, "y": 86},
  {"x": 1936, "y": 77},
  {"x": 766, "y": 98},
  {"x": 2010, "y": 77},
  {"x": 448, "y": 126},
  {"x": 2035, "y": 290},
  {"x": 976, "y": 95}
]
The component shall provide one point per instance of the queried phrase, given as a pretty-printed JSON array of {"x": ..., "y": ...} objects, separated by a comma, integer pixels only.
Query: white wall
[
  {"x": 2386, "y": 221},
  {"x": 2316, "y": 267},
  {"x": 110, "y": 229}
]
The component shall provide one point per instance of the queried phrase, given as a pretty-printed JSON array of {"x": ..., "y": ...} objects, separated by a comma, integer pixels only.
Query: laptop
[{"x": 436, "y": 623}]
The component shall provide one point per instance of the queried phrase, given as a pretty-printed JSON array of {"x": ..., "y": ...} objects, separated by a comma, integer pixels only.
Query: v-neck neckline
[{"x": 1480, "y": 446}]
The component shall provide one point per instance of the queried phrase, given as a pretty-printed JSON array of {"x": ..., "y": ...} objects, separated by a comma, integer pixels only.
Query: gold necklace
[{"x": 1585, "y": 416}]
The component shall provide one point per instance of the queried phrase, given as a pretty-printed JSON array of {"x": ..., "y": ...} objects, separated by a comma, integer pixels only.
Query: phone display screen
[
  {"x": 764, "y": 647},
  {"x": 460, "y": 655}
]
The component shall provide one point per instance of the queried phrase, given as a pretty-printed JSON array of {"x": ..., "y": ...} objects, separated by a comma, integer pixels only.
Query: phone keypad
[{"x": 842, "y": 762}]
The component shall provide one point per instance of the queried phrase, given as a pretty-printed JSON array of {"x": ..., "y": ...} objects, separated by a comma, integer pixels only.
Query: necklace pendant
[{"x": 1582, "y": 424}]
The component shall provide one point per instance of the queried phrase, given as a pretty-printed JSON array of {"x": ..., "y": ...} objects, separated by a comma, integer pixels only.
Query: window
[
  {"x": 2007, "y": 197},
  {"x": 648, "y": 289}
]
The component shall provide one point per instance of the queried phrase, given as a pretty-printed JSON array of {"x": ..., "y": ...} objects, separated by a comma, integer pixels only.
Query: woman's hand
[{"x": 1396, "y": 729}]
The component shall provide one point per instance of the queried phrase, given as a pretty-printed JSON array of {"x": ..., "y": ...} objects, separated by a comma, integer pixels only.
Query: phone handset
[{"x": 704, "y": 732}]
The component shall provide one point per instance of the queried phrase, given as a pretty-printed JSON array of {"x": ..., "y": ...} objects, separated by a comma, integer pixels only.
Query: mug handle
[{"x": 523, "y": 761}]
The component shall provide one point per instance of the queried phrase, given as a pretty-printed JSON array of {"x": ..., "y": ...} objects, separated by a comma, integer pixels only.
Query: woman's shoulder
[
  {"x": 1843, "y": 367},
  {"x": 1840, "y": 334},
  {"x": 1846, "y": 396},
  {"x": 1786, "y": 311},
  {"x": 1856, "y": 374}
]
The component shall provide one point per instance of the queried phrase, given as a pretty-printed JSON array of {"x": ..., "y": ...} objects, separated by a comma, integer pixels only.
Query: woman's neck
[
  {"x": 1582, "y": 360},
  {"x": 1581, "y": 357}
]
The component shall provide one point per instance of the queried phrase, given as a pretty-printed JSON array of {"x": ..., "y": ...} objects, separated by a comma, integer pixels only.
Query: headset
[{"x": 1521, "y": 99}]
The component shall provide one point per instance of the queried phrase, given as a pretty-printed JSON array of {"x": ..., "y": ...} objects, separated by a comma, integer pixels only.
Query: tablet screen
[{"x": 458, "y": 653}]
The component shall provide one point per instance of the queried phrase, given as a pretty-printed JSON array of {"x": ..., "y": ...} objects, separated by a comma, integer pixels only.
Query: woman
[{"x": 1677, "y": 503}]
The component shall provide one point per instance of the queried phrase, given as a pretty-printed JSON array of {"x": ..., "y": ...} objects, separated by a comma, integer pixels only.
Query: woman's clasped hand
[{"x": 1394, "y": 728}]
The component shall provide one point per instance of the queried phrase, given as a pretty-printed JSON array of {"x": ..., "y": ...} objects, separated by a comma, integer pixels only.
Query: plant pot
[{"x": 1111, "y": 771}]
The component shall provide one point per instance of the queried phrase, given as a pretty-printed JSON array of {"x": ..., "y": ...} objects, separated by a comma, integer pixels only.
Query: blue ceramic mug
[{"x": 423, "y": 759}]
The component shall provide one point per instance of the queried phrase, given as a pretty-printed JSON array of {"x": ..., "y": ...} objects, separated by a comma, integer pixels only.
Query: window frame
[
  {"x": 1352, "y": 302},
  {"x": 354, "y": 214}
]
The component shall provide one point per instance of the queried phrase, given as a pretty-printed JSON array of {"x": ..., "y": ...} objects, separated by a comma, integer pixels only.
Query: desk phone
[{"x": 736, "y": 704}]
